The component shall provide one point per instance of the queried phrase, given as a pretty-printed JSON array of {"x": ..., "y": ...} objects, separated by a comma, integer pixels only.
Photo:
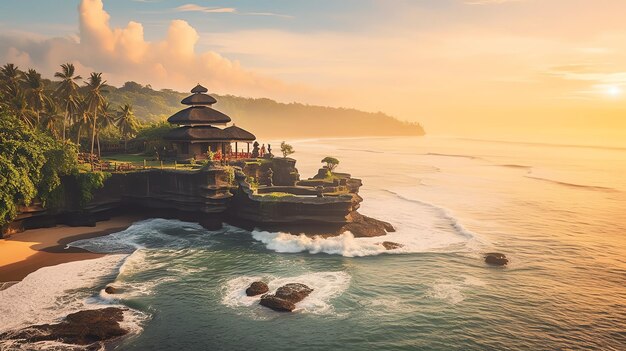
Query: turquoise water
[{"x": 558, "y": 212}]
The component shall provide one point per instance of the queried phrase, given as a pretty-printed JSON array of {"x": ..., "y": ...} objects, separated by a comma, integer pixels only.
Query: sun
[{"x": 614, "y": 91}]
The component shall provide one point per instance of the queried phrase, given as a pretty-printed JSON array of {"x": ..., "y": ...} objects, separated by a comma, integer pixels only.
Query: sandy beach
[{"x": 26, "y": 252}]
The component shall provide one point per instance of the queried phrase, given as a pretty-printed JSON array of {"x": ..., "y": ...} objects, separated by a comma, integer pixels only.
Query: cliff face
[
  {"x": 270, "y": 209},
  {"x": 211, "y": 196},
  {"x": 277, "y": 208},
  {"x": 199, "y": 196},
  {"x": 203, "y": 191}
]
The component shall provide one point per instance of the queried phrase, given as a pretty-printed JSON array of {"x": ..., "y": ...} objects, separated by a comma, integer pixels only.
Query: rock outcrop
[
  {"x": 390, "y": 245},
  {"x": 80, "y": 328},
  {"x": 257, "y": 288},
  {"x": 316, "y": 206},
  {"x": 286, "y": 297},
  {"x": 111, "y": 290},
  {"x": 363, "y": 226},
  {"x": 496, "y": 259}
]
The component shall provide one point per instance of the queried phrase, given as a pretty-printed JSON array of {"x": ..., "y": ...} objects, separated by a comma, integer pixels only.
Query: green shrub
[
  {"x": 87, "y": 183},
  {"x": 31, "y": 165},
  {"x": 331, "y": 163}
]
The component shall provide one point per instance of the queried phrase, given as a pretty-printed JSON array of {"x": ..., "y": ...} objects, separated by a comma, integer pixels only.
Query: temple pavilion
[{"x": 202, "y": 128}]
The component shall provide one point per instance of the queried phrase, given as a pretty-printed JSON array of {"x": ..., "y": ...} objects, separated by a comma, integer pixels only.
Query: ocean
[{"x": 557, "y": 211}]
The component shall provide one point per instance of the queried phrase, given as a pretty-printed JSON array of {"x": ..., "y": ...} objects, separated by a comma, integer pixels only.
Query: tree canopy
[
  {"x": 331, "y": 163},
  {"x": 31, "y": 165},
  {"x": 286, "y": 149}
]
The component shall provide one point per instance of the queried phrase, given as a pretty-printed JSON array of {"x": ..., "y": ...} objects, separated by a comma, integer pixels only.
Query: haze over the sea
[{"x": 526, "y": 70}]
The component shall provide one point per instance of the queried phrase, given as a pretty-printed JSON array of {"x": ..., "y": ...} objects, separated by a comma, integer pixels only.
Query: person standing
[{"x": 263, "y": 150}]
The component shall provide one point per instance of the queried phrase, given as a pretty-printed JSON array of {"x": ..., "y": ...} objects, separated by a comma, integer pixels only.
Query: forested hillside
[{"x": 265, "y": 117}]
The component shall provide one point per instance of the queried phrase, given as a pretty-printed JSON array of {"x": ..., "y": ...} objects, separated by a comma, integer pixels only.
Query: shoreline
[{"x": 26, "y": 252}]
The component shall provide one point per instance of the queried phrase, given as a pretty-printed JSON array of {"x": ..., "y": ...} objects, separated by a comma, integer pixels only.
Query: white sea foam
[
  {"x": 51, "y": 293},
  {"x": 420, "y": 227},
  {"x": 452, "y": 291},
  {"x": 325, "y": 285},
  {"x": 345, "y": 244},
  {"x": 54, "y": 292},
  {"x": 143, "y": 234}
]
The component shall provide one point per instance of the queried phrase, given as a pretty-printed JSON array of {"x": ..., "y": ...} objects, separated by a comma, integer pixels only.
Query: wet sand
[{"x": 26, "y": 252}]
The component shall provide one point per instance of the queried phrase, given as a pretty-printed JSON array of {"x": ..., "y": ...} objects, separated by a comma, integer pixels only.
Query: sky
[{"x": 532, "y": 70}]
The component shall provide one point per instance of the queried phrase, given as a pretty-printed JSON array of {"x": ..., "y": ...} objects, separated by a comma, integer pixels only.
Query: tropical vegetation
[
  {"x": 63, "y": 108},
  {"x": 286, "y": 149},
  {"x": 43, "y": 125},
  {"x": 331, "y": 163}
]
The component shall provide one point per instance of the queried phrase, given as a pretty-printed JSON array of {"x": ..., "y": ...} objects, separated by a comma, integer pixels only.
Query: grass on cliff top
[
  {"x": 132, "y": 158},
  {"x": 137, "y": 160},
  {"x": 259, "y": 161},
  {"x": 276, "y": 195}
]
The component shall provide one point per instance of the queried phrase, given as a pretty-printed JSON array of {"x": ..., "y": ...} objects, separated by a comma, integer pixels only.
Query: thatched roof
[
  {"x": 199, "y": 89},
  {"x": 198, "y": 115},
  {"x": 198, "y": 133},
  {"x": 239, "y": 134},
  {"x": 198, "y": 99}
]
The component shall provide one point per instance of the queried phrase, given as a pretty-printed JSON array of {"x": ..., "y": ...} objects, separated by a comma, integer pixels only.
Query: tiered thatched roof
[
  {"x": 198, "y": 133},
  {"x": 197, "y": 121},
  {"x": 239, "y": 134},
  {"x": 199, "y": 99},
  {"x": 198, "y": 115}
]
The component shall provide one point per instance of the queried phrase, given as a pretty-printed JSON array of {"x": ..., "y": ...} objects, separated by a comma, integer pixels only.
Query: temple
[{"x": 199, "y": 130}]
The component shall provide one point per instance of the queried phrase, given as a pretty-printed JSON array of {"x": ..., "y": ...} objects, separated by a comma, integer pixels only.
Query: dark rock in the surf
[
  {"x": 80, "y": 328},
  {"x": 390, "y": 245},
  {"x": 294, "y": 292},
  {"x": 257, "y": 288},
  {"x": 277, "y": 304},
  {"x": 496, "y": 259},
  {"x": 111, "y": 290},
  {"x": 363, "y": 226},
  {"x": 286, "y": 297}
]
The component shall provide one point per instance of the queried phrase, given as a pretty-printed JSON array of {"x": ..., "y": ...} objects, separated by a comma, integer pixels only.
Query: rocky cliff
[{"x": 213, "y": 195}]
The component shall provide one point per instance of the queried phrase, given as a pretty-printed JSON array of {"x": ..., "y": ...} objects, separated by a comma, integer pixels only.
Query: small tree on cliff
[
  {"x": 286, "y": 149},
  {"x": 331, "y": 163}
]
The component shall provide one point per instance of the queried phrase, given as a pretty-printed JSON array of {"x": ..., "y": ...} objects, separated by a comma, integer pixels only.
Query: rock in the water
[
  {"x": 496, "y": 258},
  {"x": 277, "y": 304},
  {"x": 286, "y": 297},
  {"x": 111, "y": 290},
  {"x": 80, "y": 328},
  {"x": 390, "y": 245},
  {"x": 257, "y": 288},
  {"x": 293, "y": 292},
  {"x": 363, "y": 226}
]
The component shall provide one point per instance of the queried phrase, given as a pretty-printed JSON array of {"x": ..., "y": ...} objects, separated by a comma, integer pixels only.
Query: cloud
[
  {"x": 198, "y": 8},
  {"x": 124, "y": 54},
  {"x": 205, "y": 9}
]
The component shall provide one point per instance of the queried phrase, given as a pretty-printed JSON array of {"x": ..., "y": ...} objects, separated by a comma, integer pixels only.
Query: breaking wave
[
  {"x": 574, "y": 185},
  {"x": 420, "y": 227},
  {"x": 51, "y": 293},
  {"x": 451, "y": 155}
]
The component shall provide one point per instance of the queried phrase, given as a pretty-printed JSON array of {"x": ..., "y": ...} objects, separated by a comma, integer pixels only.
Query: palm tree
[
  {"x": 81, "y": 118},
  {"x": 35, "y": 93},
  {"x": 18, "y": 105},
  {"x": 52, "y": 118},
  {"x": 95, "y": 100},
  {"x": 67, "y": 91},
  {"x": 10, "y": 77},
  {"x": 106, "y": 119},
  {"x": 127, "y": 123}
]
